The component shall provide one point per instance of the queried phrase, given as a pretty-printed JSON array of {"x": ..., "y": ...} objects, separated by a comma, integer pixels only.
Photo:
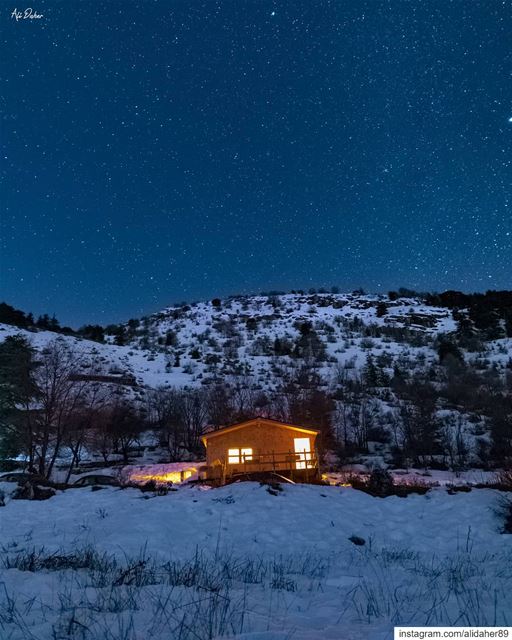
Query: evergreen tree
[
  {"x": 448, "y": 350},
  {"x": 93, "y": 332},
  {"x": 54, "y": 324},
  {"x": 171, "y": 339},
  {"x": 308, "y": 344},
  {"x": 508, "y": 322},
  {"x": 398, "y": 376},
  {"x": 18, "y": 390},
  {"x": 487, "y": 321},
  {"x": 10, "y": 315},
  {"x": 382, "y": 309},
  {"x": 120, "y": 336},
  {"x": 382, "y": 376},
  {"x": 501, "y": 429},
  {"x": 370, "y": 373},
  {"x": 43, "y": 322}
]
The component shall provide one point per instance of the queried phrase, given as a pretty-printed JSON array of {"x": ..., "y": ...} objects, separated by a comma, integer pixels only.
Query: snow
[
  {"x": 427, "y": 478},
  {"x": 320, "y": 584},
  {"x": 431, "y": 559},
  {"x": 173, "y": 472},
  {"x": 199, "y": 320}
]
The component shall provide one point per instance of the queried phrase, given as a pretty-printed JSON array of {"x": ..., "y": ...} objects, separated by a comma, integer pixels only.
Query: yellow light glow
[
  {"x": 233, "y": 456},
  {"x": 246, "y": 455},
  {"x": 325, "y": 477},
  {"x": 236, "y": 456},
  {"x": 174, "y": 477},
  {"x": 303, "y": 449}
]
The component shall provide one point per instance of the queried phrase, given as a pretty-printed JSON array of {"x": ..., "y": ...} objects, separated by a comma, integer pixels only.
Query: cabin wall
[{"x": 262, "y": 439}]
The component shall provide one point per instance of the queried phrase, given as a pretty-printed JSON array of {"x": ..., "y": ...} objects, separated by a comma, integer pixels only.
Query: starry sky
[{"x": 170, "y": 150}]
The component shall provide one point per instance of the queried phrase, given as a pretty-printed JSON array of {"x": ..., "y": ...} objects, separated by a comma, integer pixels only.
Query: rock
[{"x": 30, "y": 491}]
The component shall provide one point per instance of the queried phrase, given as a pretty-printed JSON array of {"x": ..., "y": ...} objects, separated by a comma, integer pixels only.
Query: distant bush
[{"x": 380, "y": 482}]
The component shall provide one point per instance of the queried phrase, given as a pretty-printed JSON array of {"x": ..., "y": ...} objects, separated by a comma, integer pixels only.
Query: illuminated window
[
  {"x": 303, "y": 451},
  {"x": 246, "y": 455},
  {"x": 233, "y": 456},
  {"x": 237, "y": 456}
]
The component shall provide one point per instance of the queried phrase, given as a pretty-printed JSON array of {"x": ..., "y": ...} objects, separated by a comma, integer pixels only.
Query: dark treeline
[
  {"x": 16, "y": 317},
  {"x": 456, "y": 299},
  {"x": 484, "y": 309}
]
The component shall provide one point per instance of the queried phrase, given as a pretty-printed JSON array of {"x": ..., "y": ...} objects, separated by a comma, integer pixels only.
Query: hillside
[
  {"x": 389, "y": 382},
  {"x": 238, "y": 336},
  {"x": 392, "y": 377}
]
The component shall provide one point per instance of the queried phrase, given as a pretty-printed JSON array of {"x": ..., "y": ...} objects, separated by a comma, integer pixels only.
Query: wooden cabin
[{"x": 261, "y": 446}]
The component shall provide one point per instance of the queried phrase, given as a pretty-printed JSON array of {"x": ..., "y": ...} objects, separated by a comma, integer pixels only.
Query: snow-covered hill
[
  {"x": 184, "y": 344},
  {"x": 355, "y": 346}
]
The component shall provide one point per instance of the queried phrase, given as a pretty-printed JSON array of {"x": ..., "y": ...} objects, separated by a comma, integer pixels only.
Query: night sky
[{"x": 155, "y": 152}]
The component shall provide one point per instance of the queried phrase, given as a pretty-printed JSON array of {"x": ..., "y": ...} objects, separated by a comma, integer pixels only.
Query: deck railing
[{"x": 296, "y": 463}]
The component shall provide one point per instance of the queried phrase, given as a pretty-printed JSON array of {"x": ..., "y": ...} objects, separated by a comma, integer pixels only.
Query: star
[{"x": 331, "y": 153}]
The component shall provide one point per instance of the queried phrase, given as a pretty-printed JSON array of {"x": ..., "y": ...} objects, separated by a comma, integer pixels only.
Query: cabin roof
[{"x": 258, "y": 421}]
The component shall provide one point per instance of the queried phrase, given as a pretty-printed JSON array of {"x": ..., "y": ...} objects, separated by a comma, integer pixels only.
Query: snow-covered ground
[
  {"x": 167, "y": 473},
  {"x": 246, "y": 562},
  {"x": 418, "y": 477}
]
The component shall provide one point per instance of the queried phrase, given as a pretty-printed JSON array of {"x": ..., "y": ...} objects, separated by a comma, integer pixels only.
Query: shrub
[{"x": 380, "y": 482}]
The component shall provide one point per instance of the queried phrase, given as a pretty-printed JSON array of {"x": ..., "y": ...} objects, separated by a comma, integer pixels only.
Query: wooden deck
[{"x": 302, "y": 467}]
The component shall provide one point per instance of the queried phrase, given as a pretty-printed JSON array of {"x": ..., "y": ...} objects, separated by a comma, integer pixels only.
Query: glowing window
[
  {"x": 233, "y": 456},
  {"x": 303, "y": 449},
  {"x": 237, "y": 456},
  {"x": 246, "y": 455}
]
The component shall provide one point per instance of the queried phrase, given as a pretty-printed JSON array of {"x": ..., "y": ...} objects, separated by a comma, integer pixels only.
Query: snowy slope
[
  {"x": 234, "y": 341},
  {"x": 262, "y": 566},
  {"x": 224, "y": 333}
]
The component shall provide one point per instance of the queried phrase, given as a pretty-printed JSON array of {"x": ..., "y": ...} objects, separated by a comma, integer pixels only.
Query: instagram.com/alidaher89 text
[{"x": 424, "y": 633}]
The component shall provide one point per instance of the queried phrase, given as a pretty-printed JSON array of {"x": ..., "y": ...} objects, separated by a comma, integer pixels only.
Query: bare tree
[
  {"x": 419, "y": 424},
  {"x": 220, "y": 405},
  {"x": 164, "y": 408},
  {"x": 362, "y": 418},
  {"x": 60, "y": 396},
  {"x": 125, "y": 425},
  {"x": 244, "y": 396},
  {"x": 453, "y": 442},
  {"x": 194, "y": 411},
  {"x": 82, "y": 422}
]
